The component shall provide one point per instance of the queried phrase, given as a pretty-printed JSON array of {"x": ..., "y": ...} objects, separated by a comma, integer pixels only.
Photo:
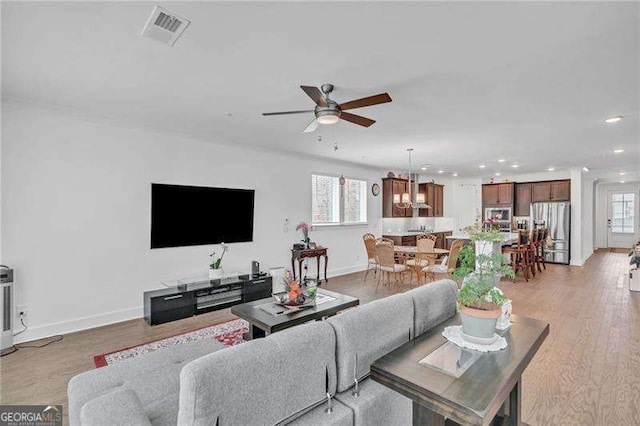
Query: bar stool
[
  {"x": 540, "y": 255},
  {"x": 518, "y": 254}
]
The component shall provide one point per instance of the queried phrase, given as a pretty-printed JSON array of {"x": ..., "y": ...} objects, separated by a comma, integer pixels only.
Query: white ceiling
[{"x": 470, "y": 82}]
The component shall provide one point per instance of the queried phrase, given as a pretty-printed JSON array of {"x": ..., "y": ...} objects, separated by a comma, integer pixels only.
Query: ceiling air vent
[{"x": 164, "y": 26}]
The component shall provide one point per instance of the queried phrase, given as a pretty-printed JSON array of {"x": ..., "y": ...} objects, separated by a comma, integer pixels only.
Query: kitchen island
[{"x": 408, "y": 238}]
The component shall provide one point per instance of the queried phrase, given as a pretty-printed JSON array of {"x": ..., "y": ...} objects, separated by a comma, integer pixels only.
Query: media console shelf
[{"x": 183, "y": 301}]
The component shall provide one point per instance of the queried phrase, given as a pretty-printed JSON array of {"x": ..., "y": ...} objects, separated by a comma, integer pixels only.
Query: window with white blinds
[{"x": 335, "y": 204}]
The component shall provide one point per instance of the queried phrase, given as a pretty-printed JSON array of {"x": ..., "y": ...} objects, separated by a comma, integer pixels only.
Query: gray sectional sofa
[{"x": 284, "y": 378}]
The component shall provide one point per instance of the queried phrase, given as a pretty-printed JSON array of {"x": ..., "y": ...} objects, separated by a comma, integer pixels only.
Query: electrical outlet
[{"x": 21, "y": 311}]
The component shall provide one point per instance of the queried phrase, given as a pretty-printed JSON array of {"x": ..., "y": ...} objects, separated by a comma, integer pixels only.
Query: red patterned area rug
[{"x": 228, "y": 333}]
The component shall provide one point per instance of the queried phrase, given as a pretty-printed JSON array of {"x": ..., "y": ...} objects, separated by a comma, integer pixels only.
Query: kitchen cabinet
[
  {"x": 402, "y": 240},
  {"x": 561, "y": 190},
  {"x": 523, "y": 199},
  {"x": 555, "y": 190},
  {"x": 540, "y": 192},
  {"x": 498, "y": 194},
  {"x": 391, "y": 187},
  {"x": 441, "y": 239},
  {"x": 434, "y": 196}
]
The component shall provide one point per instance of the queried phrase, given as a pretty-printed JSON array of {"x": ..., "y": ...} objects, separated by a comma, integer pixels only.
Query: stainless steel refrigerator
[{"x": 557, "y": 217}]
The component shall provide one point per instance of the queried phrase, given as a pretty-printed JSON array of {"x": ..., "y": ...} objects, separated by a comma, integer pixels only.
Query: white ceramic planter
[{"x": 216, "y": 274}]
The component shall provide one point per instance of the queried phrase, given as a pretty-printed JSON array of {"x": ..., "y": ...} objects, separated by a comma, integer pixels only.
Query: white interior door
[{"x": 621, "y": 220}]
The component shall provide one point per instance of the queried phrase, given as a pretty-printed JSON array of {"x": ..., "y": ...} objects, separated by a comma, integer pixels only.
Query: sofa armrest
[{"x": 120, "y": 407}]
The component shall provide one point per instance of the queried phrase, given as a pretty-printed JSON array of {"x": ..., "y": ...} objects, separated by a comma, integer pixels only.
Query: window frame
[{"x": 341, "y": 201}]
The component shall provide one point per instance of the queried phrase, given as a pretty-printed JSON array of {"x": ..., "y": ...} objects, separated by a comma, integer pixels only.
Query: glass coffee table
[
  {"x": 447, "y": 383},
  {"x": 264, "y": 316}
]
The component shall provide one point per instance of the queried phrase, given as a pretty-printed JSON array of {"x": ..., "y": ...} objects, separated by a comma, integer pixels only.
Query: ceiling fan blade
[
  {"x": 315, "y": 94},
  {"x": 357, "y": 119},
  {"x": 288, "y": 112},
  {"x": 368, "y": 101},
  {"x": 311, "y": 127}
]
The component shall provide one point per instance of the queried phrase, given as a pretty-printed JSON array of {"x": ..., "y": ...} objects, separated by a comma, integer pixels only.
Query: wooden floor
[{"x": 586, "y": 373}]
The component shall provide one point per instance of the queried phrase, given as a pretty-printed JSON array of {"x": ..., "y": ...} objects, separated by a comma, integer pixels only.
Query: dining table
[{"x": 412, "y": 252}]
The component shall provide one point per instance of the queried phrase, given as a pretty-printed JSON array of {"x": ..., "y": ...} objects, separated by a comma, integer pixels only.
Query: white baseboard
[
  {"x": 77, "y": 324},
  {"x": 99, "y": 320}
]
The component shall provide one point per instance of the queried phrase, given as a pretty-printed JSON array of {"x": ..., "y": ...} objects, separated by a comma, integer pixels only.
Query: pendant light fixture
[{"x": 406, "y": 201}]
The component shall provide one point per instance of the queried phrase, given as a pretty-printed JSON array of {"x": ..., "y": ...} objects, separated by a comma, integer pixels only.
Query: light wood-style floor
[{"x": 586, "y": 373}]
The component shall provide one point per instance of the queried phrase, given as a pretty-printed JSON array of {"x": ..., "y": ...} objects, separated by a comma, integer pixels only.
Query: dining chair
[
  {"x": 385, "y": 256},
  {"x": 448, "y": 264},
  {"x": 422, "y": 258},
  {"x": 372, "y": 262}
]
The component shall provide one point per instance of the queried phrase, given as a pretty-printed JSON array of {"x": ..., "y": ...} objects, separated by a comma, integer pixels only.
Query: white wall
[
  {"x": 75, "y": 213},
  {"x": 601, "y": 214},
  {"x": 586, "y": 232}
]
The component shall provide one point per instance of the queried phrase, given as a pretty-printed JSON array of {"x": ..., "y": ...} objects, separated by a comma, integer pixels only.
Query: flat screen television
[{"x": 196, "y": 215}]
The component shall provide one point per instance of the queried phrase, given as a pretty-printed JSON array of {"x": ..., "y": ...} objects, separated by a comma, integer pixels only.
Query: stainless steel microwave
[{"x": 500, "y": 214}]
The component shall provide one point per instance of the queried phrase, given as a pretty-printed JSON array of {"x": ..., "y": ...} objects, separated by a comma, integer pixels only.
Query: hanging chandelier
[{"x": 406, "y": 201}]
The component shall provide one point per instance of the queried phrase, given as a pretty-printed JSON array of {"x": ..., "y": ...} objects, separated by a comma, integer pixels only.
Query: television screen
[{"x": 195, "y": 215}]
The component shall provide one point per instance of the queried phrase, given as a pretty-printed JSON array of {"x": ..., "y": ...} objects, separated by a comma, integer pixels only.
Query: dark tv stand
[{"x": 174, "y": 303}]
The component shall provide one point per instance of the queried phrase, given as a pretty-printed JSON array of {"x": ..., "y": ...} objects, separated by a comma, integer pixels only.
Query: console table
[
  {"x": 300, "y": 255},
  {"x": 489, "y": 388},
  {"x": 199, "y": 297}
]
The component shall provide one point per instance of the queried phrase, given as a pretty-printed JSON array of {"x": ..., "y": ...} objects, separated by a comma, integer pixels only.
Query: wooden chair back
[
  {"x": 384, "y": 253},
  {"x": 452, "y": 261},
  {"x": 370, "y": 245}
]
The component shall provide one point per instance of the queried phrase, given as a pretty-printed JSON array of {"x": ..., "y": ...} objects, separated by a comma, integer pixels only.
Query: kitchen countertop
[
  {"x": 510, "y": 237},
  {"x": 411, "y": 234}
]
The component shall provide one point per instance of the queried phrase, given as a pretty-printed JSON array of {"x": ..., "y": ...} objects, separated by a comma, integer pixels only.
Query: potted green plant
[
  {"x": 215, "y": 267},
  {"x": 480, "y": 269}
]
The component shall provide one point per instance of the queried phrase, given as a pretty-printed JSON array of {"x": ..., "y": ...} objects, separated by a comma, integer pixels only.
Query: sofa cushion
[
  {"x": 368, "y": 332},
  {"x": 433, "y": 303},
  {"x": 377, "y": 405},
  {"x": 120, "y": 407},
  {"x": 153, "y": 377},
  {"x": 263, "y": 381}
]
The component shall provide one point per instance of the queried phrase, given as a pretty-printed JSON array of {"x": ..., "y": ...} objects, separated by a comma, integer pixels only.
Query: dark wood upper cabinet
[
  {"x": 540, "y": 192},
  {"x": 497, "y": 194},
  {"x": 489, "y": 195},
  {"x": 438, "y": 207},
  {"x": 434, "y": 196},
  {"x": 561, "y": 190},
  {"x": 523, "y": 199},
  {"x": 391, "y": 187}
]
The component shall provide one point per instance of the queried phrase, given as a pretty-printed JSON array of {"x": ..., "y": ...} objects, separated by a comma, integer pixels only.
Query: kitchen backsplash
[{"x": 402, "y": 224}]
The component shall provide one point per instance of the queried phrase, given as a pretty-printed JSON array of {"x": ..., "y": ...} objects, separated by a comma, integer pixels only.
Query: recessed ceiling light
[
  {"x": 440, "y": 171},
  {"x": 482, "y": 166},
  {"x": 501, "y": 160},
  {"x": 618, "y": 151},
  {"x": 515, "y": 166},
  {"x": 622, "y": 173},
  {"x": 423, "y": 168},
  {"x": 551, "y": 169},
  {"x": 622, "y": 181},
  {"x": 498, "y": 174},
  {"x": 615, "y": 119},
  {"x": 585, "y": 169},
  {"x": 455, "y": 175}
]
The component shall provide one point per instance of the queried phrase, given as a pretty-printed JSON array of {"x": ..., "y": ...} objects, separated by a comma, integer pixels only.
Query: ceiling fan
[{"x": 328, "y": 111}]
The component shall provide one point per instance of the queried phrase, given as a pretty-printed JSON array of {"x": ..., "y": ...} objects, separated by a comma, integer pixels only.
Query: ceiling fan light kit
[{"x": 328, "y": 111}]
